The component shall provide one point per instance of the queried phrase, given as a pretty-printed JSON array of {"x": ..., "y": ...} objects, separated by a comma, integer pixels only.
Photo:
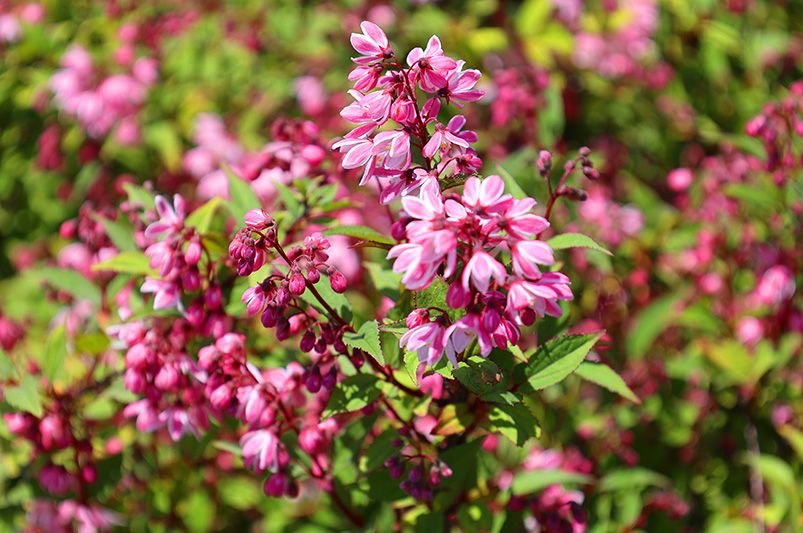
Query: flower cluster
[
  {"x": 385, "y": 90},
  {"x": 475, "y": 230},
  {"x": 103, "y": 103},
  {"x": 778, "y": 125}
]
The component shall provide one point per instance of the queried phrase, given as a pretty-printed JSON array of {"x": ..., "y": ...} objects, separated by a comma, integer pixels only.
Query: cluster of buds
[
  {"x": 778, "y": 125},
  {"x": 276, "y": 298},
  {"x": 170, "y": 381},
  {"x": 387, "y": 155},
  {"x": 423, "y": 474}
]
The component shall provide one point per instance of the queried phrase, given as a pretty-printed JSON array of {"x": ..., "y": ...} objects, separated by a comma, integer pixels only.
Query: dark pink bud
[
  {"x": 221, "y": 397},
  {"x": 193, "y": 253},
  {"x": 207, "y": 357},
  {"x": 191, "y": 280},
  {"x": 167, "y": 378},
  {"x": 270, "y": 316},
  {"x": 282, "y": 329},
  {"x": 313, "y": 381},
  {"x": 399, "y": 230},
  {"x": 490, "y": 320},
  {"x": 195, "y": 314},
  {"x": 312, "y": 441},
  {"x": 544, "y": 163},
  {"x": 89, "y": 474},
  {"x": 330, "y": 379},
  {"x": 457, "y": 297},
  {"x": 138, "y": 356},
  {"x": 275, "y": 485},
  {"x": 296, "y": 285},
  {"x": 313, "y": 275},
  {"x": 527, "y": 316},
  {"x": 134, "y": 381},
  {"x": 307, "y": 341},
  {"x": 337, "y": 281},
  {"x": 214, "y": 297},
  {"x": 417, "y": 318}
]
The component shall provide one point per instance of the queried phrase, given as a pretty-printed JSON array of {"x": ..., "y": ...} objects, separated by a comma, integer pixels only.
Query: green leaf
[
  {"x": 363, "y": 233},
  {"x": 336, "y": 300},
  {"x": 138, "y": 195},
  {"x": 514, "y": 422},
  {"x": 551, "y": 119},
  {"x": 605, "y": 376},
  {"x": 475, "y": 518},
  {"x": 70, "y": 281},
  {"x": 122, "y": 235},
  {"x": 794, "y": 437},
  {"x": 575, "y": 240},
  {"x": 366, "y": 339},
  {"x": 292, "y": 204},
  {"x": 55, "y": 353},
  {"x": 163, "y": 138},
  {"x": 25, "y": 396},
  {"x": 511, "y": 185},
  {"x": 379, "y": 450},
  {"x": 650, "y": 323},
  {"x": 91, "y": 343},
  {"x": 201, "y": 219},
  {"x": 126, "y": 263},
  {"x": 556, "y": 359},
  {"x": 7, "y": 370},
  {"x": 480, "y": 375},
  {"x": 352, "y": 394},
  {"x": 243, "y": 197},
  {"x": 536, "y": 480},
  {"x": 630, "y": 479}
]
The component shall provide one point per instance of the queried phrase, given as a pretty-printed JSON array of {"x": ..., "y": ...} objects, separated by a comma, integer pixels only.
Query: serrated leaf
[
  {"x": 25, "y": 396},
  {"x": 201, "y": 219},
  {"x": 605, "y": 376},
  {"x": 126, "y": 263},
  {"x": 366, "y": 339},
  {"x": 575, "y": 240},
  {"x": 556, "y": 359},
  {"x": 121, "y": 235},
  {"x": 352, "y": 394},
  {"x": 55, "y": 353},
  {"x": 361, "y": 232},
  {"x": 534, "y": 481},
  {"x": 479, "y": 375},
  {"x": 70, "y": 281},
  {"x": 515, "y": 422},
  {"x": 243, "y": 197}
]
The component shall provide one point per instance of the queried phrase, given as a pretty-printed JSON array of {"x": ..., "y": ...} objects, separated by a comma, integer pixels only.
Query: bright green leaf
[
  {"x": 556, "y": 359},
  {"x": 536, "y": 480},
  {"x": 366, "y": 339},
  {"x": 352, "y": 394},
  {"x": 605, "y": 376},
  {"x": 25, "y": 396},
  {"x": 126, "y": 263},
  {"x": 363, "y": 233},
  {"x": 575, "y": 240}
]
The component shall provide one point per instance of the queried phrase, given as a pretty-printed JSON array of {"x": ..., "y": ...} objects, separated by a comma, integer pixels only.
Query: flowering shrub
[{"x": 505, "y": 268}]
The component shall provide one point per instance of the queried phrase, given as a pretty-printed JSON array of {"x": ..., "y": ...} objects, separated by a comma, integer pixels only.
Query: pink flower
[
  {"x": 480, "y": 269},
  {"x": 426, "y": 339},
  {"x": 444, "y": 137},
  {"x": 166, "y": 293},
  {"x": 372, "y": 43},
  {"x": 528, "y": 254},
  {"x": 171, "y": 217},
  {"x": 430, "y": 65},
  {"x": 460, "y": 85},
  {"x": 261, "y": 450}
]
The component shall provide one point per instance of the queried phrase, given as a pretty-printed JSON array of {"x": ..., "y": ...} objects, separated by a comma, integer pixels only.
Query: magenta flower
[
  {"x": 481, "y": 269},
  {"x": 444, "y": 137},
  {"x": 426, "y": 339},
  {"x": 460, "y": 85}
]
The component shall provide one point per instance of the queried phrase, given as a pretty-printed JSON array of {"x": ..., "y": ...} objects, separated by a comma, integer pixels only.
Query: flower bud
[
  {"x": 312, "y": 440},
  {"x": 191, "y": 280},
  {"x": 544, "y": 163},
  {"x": 337, "y": 281},
  {"x": 258, "y": 219},
  {"x": 89, "y": 474},
  {"x": 167, "y": 378},
  {"x": 313, "y": 381},
  {"x": 457, "y": 297},
  {"x": 193, "y": 253},
  {"x": 417, "y": 318},
  {"x": 213, "y": 297},
  {"x": 270, "y": 316},
  {"x": 330, "y": 379},
  {"x": 296, "y": 285},
  {"x": 134, "y": 381},
  {"x": 221, "y": 397},
  {"x": 490, "y": 319},
  {"x": 307, "y": 341},
  {"x": 275, "y": 485}
]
